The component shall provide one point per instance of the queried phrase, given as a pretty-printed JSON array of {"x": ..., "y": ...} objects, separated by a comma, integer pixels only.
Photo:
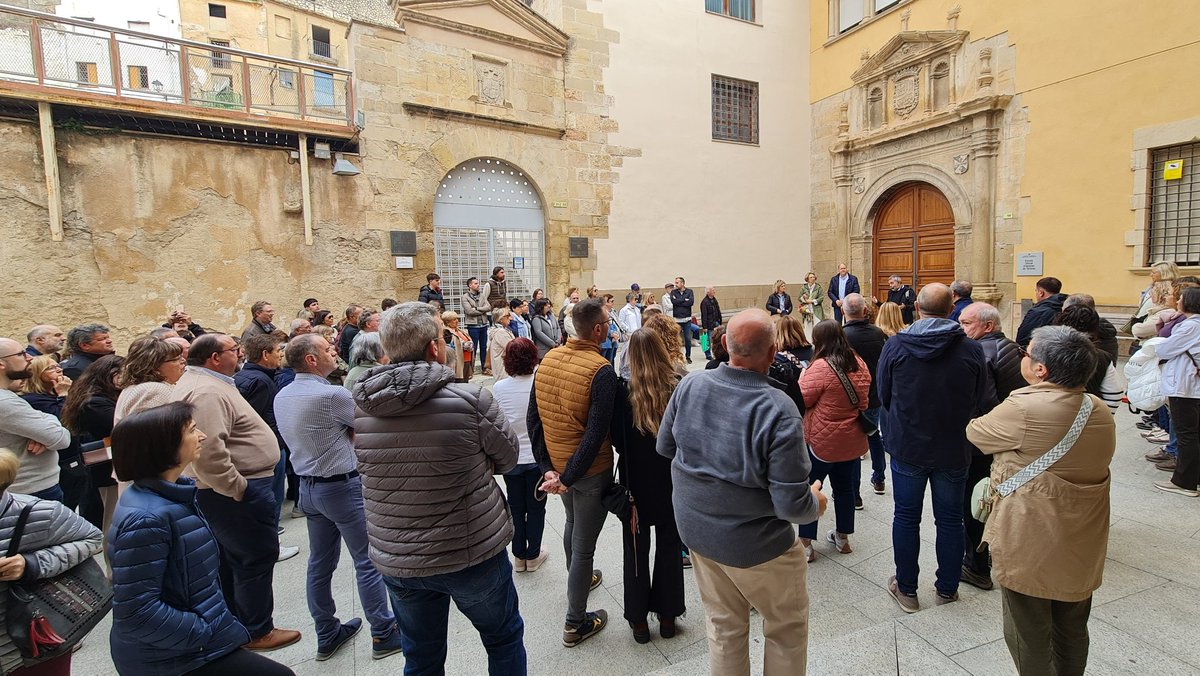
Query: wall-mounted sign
[
  {"x": 1173, "y": 170},
  {"x": 1029, "y": 264},
  {"x": 578, "y": 247},
  {"x": 404, "y": 262},
  {"x": 560, "y": 204},
  {"x": 518, "y": 262}
]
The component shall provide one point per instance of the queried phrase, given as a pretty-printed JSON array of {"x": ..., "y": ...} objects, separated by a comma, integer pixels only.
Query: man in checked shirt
[{"x": 316, "y": 420}]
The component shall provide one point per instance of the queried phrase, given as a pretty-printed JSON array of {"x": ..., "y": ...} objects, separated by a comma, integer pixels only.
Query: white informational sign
[
  {"x": 1029, "y": 264},
  {"x": 404, "y": 262},
  {"x": 518, "y": 263}
]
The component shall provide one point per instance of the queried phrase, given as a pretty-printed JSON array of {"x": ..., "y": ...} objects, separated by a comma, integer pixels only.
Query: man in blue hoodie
[{"x": 932, "y": 380}]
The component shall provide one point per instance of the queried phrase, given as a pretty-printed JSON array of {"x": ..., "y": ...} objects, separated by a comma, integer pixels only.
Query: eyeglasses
[
  {"x": 1024, "y": 352},
  {"x": 13, "y": 354}
]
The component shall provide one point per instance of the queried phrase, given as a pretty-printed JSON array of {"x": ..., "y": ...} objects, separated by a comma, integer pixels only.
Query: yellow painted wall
[
  {"x": 1090, "y": 74},
  {"x": 253, "y": 26}
]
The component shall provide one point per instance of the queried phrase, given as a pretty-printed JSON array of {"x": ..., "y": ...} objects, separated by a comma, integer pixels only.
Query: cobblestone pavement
[{"x": 1143, "y": 620}]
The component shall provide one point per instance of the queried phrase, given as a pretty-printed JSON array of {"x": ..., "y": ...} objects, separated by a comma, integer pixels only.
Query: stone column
[{"x": 984, "y": 146}]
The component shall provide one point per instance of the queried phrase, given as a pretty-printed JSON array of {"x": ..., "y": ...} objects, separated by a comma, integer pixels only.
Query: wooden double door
[{"x": 914, "y": 238}]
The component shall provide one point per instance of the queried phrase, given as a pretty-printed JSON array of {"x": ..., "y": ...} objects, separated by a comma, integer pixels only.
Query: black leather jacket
[{"x": 1003, "y": 358}]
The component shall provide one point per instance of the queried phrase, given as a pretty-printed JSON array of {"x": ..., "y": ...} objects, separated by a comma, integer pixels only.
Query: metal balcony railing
[{"x": 70, "y": 58}]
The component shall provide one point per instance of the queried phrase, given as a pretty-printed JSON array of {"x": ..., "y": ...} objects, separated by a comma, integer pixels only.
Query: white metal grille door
[{"x": 487, "y": 213}]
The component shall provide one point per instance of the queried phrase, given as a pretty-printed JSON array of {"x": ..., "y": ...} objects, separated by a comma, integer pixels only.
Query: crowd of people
[{"x": 372, "y": 427}]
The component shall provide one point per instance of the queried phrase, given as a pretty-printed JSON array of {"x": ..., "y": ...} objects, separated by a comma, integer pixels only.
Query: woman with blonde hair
[
  {"x": 499, "y": 336},
  {"x": 780, "y": 303},
  {"x": 889, "y": 319},
  {"x": 668, "y": 332},
  {"x": 641, "y": 401},
  {"x": 812, "y": 300},
  {"x": 794, "y": 355},
  {"x": 461, "y": 348},
  {"x": 45, "y": 390},
  {"x": 148, "y": 377}
]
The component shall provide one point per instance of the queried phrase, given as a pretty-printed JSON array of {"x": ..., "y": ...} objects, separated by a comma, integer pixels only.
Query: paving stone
[
  {"x": 915, "y": 655},
  {"x": 1163, "y": 617}
]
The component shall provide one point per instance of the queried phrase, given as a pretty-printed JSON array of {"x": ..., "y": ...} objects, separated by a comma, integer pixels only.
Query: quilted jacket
[
  {"x": 427, "y": 451},
  {"x": 169, "y": 615},
  {"x": 1144, "y": 375},
  {"x": 55, "y": 541},
  {"x": 830, "y": 422}
]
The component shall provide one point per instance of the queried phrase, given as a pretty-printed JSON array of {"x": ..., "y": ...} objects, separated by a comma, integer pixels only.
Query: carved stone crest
[
  {"x": 962, "y": 163},
  {"x": 905, "y": 90},
  {"x": 491, "y": 82},
  {"x": 860, "y": 185}
]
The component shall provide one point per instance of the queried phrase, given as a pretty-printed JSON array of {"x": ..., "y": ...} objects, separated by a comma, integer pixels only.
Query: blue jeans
[
  {"x": 55, "y": 493},
  {"x": 686, "y": 331},
  {"x": 908, "y": 490},
  {"x": 484, "y": 593},
  {"x": 528, "y": 513},
  {"x": 875, "y": 444},
  {"x": 479, "y": 337},
  {"x": 843, "y": 476},
  {"x": 335, "y": 513}
]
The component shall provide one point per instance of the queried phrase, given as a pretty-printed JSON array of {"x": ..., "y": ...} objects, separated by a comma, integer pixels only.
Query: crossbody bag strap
[
  {"x": 1033, "y": 469},
  {"x": 845, "y": 385},
  {"x": 14, "y": 543}
]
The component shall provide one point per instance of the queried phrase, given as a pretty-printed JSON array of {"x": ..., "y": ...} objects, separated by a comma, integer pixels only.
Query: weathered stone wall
[{"x": 154, "y": 222}]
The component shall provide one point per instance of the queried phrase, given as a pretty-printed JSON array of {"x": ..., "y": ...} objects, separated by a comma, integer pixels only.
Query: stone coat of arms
[
  {"x": 491, "y": 83},
  {"x": 905, "y": 91}
]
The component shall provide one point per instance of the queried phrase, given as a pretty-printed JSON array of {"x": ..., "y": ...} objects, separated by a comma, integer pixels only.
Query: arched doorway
[
  {"x": 914, "y": 237},
  {"x": 488, "y": 213}
]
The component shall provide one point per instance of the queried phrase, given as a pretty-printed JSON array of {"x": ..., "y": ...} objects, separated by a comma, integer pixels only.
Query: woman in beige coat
[{"x": 1048, "y": 539}]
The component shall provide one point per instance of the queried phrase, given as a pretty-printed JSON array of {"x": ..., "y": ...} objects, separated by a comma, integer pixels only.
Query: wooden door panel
[{"x": 914, "y": 238}]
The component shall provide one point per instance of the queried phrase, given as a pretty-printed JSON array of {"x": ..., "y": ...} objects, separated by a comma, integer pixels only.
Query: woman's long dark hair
[
  {"x": 96, "y": 380},
  {"x": 832, "y": 345},
  {"x": 539, "y": 306}
]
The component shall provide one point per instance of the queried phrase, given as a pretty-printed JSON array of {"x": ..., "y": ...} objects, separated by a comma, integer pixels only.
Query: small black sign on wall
[
  {"x": 404, "y": 242},
  {"x": 579, "y": 247}
]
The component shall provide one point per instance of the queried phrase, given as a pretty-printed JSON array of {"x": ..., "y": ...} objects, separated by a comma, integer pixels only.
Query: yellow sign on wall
[{"x": 1173, "y": 170}]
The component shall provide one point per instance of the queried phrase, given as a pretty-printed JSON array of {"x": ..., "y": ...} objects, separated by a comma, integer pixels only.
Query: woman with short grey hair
[
  {"x": 1048, "y": 537},
  {"x": 366, "y": 352}
]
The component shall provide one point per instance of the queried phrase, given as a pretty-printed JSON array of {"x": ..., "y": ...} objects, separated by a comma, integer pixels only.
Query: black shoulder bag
[
  {"x": 868, "y": 427},
  {"x": 46, "y": 618}
]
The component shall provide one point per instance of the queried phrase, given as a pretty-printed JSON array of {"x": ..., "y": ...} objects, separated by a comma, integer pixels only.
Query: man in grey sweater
[
  {"x": 31, "y": 435},
  {"x": 740, "y": 470}
]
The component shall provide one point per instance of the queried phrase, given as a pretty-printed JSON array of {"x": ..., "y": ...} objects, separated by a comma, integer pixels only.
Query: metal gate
[{"x": 487, "y": 213}]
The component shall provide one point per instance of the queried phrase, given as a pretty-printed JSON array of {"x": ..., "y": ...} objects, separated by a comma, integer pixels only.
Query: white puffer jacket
[{"x": 1145, "y": 378}]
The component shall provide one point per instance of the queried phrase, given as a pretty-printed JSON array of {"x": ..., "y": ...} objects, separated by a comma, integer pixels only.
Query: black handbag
[
  {"x": 618, "y": 500},
  {"x": 869, "y": 428},
  {"x": 47, "y": 618}
]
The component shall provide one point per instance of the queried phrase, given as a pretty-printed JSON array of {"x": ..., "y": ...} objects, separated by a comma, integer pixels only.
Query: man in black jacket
[
  {"x": 88, "y": 343},
  {"x": 867, "y": 340},
  {"x": 349, "y": 331},
  {"x": 256, "y": 383},
  {"x": 682, "y": 301},
  {"x": 1049, "y": 304},
  {"x": 981, "y": 322},
  {"x": 710, "y": 316},
  {"x": 1106, "y": 335},
  {"x": 903, "y": 295},
  {"x": 841, "y": 285},
  {"x": 432, "y": 291}
]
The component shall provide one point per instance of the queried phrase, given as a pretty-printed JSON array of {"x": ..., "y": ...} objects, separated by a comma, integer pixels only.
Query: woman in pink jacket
[{"x": 836, "y": 442}]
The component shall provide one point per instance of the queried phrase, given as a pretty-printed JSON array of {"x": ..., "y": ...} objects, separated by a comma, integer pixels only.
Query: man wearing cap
[{"x": 636, "y": 290}]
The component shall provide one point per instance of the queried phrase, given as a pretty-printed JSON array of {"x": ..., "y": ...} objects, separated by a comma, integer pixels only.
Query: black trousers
[
  {"x": 979, "y": 562},
  {"x": 1185, "y": 423},
  {"x": 242, "y": 663},
  {"x": 658, "y": 590},
  {"x": 249, "y": 543}
]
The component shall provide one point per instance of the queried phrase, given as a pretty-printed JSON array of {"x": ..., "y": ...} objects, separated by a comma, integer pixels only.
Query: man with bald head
[
  {"x": 45, "y": 339},
  {"x": 933, "y": 380},
  {"x": 740, "y": 472}
]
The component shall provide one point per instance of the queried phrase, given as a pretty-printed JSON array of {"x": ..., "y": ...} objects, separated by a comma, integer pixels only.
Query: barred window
[
  {"x": 734, "y": 110},
  {"x": 1175, "y": 206}
]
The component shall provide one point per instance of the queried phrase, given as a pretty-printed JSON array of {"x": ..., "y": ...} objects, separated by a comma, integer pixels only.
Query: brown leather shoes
[{"x": 274, "y": 640}]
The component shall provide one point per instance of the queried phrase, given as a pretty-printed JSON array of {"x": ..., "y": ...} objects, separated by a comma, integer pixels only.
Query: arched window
[
  {"x": 940, "y": 86},
  {"x": 875, "y": 108}
]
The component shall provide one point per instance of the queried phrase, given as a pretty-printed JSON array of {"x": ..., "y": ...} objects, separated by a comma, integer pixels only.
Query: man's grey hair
[
  {"x": 707, "y": 289},
  {"x": 961, "y": 288},
  {"x": 83, "y": 334},
  {"x": 37, "y": 332},
  {"x": 407, "y": 329},
  {"x": 893, "y": 278},
  {"x": 297, "y": 323},
  {"x": 300, "y": 347},
  {"x": 984, "y": 313},
  {"x": 366, "y": 348},
  {"x": 1069, "y": 355},
  {"x": 1084, "y": 299},
  {"x": 854, "y": 305},
  {"x": 630, "y": 296}
]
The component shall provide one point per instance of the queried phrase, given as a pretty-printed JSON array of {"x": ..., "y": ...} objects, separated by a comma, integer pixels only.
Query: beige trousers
[{"x": 778, "y": 589}]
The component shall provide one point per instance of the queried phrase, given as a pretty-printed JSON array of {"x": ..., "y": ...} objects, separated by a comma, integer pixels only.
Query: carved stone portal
[
  {"x": 491, "y": 78},
  {"x": 905, "y": 91}
]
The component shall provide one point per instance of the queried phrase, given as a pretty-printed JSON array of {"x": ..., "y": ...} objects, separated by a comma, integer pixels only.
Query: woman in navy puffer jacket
[{"x": 169, "y": 615}]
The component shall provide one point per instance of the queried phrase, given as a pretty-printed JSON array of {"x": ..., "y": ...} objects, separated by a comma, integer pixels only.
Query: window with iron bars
[
  {"x": 734, "y": 110},
  {"x": 320, "y": 42},
  {"x": 221, "y": 59},
  {"x": 1175, "y": 206}
]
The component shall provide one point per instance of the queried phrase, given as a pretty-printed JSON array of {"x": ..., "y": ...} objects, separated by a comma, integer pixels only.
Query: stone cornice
[
  {"x": 927, "y": 43},
  {"x": 942, "y": 119},
  {"x": 485, "y": 120},
  {"x": 553, "y": 41}
]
